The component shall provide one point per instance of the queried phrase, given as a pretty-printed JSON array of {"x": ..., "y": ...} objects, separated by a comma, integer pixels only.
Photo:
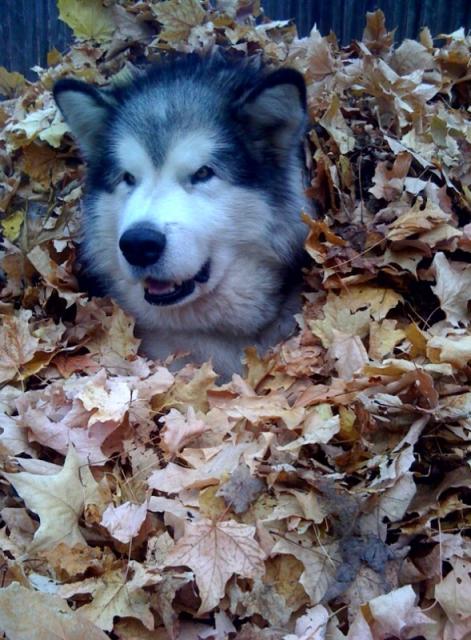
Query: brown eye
[
  {"x": 202, "y": 175},
  {"x": 129, "y": 179}
]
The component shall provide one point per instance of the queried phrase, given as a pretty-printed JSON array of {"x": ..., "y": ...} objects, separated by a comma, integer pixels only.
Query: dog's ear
[
  {"x": 85, "y": 109},
  {"x": 274, "y": 112}
]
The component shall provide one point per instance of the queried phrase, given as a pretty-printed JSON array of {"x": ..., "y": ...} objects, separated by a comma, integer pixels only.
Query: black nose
[{"x": 142, "y": 246}]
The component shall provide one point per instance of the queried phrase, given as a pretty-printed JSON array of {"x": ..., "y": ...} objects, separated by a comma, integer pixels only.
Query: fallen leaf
[
  {"x": 124, "y": 522},
  {"x": 453, "y": 289},
  {"x": 58, "y": 500},
  {"x": 214, "y": 551},
  {"x": 88, "y": 19},
  {"x": 178, "y": 17},
  {"x": 241, "y": 489},
  {"x": 112, "y": 596},
  {"x": 45, "y": 616}
]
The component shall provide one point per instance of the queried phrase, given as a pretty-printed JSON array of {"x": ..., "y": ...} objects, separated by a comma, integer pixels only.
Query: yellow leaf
[
  {"x": 11, "y": 83},
  {"x": 383, "y": 338},
  {"x": 88, "y": 19},
  {"x": 351, "y": 312},
  {"x": 178, "y": 17},
  {"x": 12, "y": 225}
]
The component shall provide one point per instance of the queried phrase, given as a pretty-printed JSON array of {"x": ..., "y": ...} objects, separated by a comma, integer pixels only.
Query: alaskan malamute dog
[{"x": 194, "y": 198}]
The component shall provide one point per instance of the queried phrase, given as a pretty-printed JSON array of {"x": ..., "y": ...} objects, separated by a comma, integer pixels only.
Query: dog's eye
[
  {"x": 202, "y": 175},
  {"x": 128, "y": 178}
]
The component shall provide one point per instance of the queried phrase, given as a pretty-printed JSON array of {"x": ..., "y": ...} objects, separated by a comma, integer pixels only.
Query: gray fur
[{"x": 245, "y": 124}]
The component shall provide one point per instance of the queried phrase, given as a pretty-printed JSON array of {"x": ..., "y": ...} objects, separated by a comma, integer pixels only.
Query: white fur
[{"x": 212, "y": 220}]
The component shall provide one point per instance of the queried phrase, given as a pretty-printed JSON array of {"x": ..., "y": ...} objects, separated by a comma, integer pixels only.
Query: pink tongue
[{"x": 157, "y": 287}]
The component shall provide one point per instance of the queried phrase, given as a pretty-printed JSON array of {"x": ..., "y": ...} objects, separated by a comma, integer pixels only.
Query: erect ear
[
  {"x": 85, "y": 109},
  {"x": 274, "y": 112}
]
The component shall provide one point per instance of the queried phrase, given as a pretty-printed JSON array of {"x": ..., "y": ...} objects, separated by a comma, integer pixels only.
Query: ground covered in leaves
[{"x": 324, "y": 494}]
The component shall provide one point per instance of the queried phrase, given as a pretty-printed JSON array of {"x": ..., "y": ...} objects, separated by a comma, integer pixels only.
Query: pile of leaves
[{"x": 324, "y": 494}]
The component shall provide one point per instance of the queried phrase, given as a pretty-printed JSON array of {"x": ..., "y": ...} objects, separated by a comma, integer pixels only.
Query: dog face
[{"x": 194, "y": 190}]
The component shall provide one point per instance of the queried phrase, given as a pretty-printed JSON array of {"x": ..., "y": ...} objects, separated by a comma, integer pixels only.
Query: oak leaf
[{"x": 215, "y": 551}]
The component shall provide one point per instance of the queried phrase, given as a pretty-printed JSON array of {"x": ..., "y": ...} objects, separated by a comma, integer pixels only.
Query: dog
[{"x": 193, "y": 202}]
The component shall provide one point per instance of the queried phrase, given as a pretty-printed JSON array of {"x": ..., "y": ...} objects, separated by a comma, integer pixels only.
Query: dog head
[{"x": 194, "y": 186}]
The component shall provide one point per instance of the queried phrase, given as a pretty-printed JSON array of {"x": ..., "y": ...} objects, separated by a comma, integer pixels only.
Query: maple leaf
[
  {"x": 454, "y": 349},
  {"x": 453, "y": 289},
  {"x": 241, "y": 489},
  {"x": 334, "y": 122},
  {"x": 349, "y": 354},
  {"x": 389, "y": 183},
  {"x": 46, "y": 616},
  {"x": 418, "y": 219},
  {"x": 87, "y": 19},
  {"x": 112, "y": 596},
  {"x": 375, "y": 35},
  {"x": 11, "y": 82},
  {"x": 58, "y": 499},
  {"x": 13, "y": 437},
  {"x": 311, "y": 626},
  {"x": 17, "y": 344},
  {"x": 108, "y": 399},
  {"x": 178, "y": 17},
  {"x": 320, "y": 565},
  {"x": 214, "y": 551},
  {"x": 179, "y": 430},
  {"x": 396, "y": 612},
  {"x": 454, "y": 591},
  {"x": 351, "y": 312},
  {"x": 125, "y": 521}
]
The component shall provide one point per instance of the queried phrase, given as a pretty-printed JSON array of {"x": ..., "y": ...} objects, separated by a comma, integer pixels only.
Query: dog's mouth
[{"x": 166, "y": 292}]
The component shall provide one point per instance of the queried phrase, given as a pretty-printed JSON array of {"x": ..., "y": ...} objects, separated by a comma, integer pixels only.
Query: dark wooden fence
[{"x": 30, "y": 28}]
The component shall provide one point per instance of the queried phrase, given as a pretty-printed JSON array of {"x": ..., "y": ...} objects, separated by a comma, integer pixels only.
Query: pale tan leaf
[
  {"x": 179, "y": 430},
  {"x": 349, "y": 354},
  {"x": 26, "y": 614},
  {"x": 453, "y": 288},
  {"x": 17, "y": 344},
  {"x": 320, "y": 565},
  {"x": 125, "y": 521},
  {"x": 215, "y": 551},
  {"x": 112, "y": 596},
  {"x": 58, "y": 500}
]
